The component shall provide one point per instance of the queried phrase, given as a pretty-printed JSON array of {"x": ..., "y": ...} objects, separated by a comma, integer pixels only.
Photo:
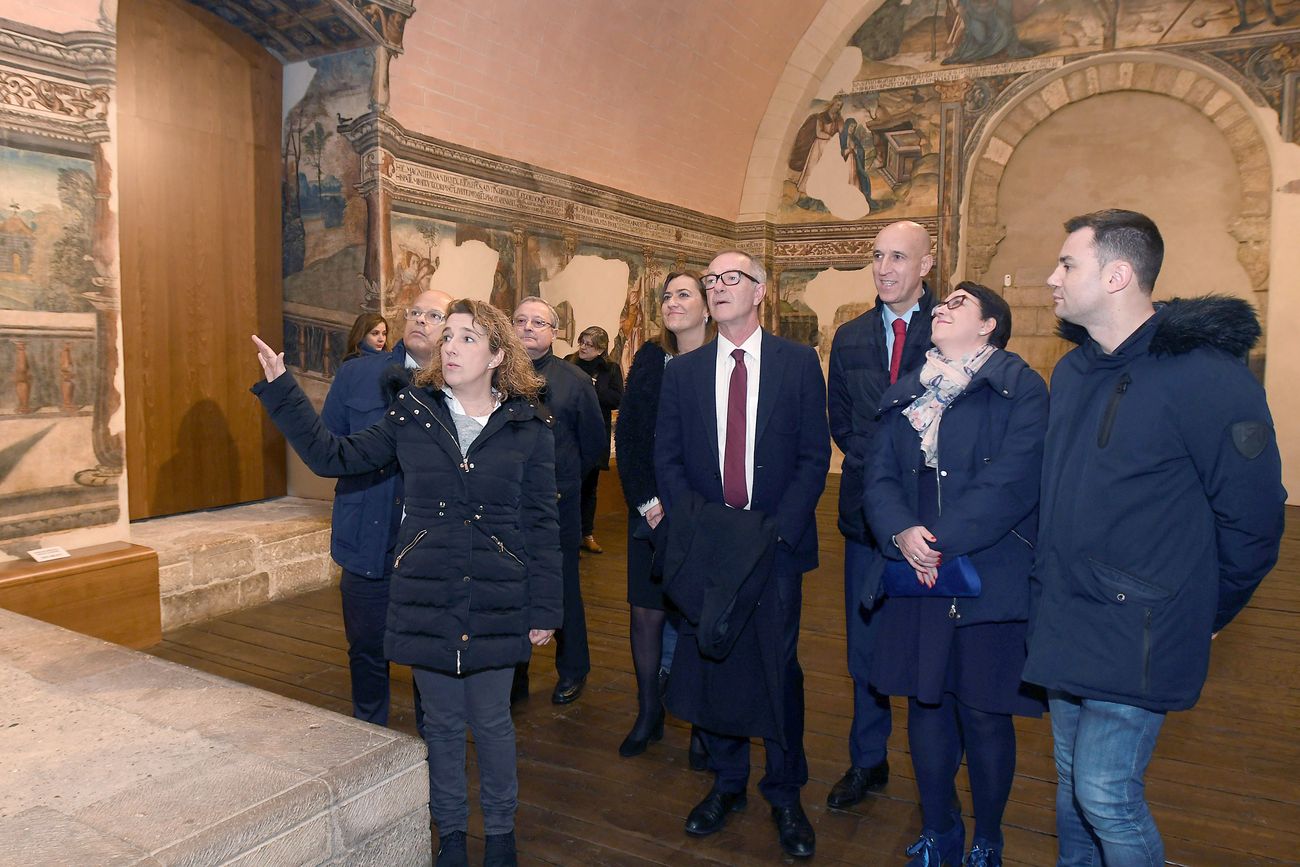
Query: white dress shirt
[{"x": 752, "y": 346}]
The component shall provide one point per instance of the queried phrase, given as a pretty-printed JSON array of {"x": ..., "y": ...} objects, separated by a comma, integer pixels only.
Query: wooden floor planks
[{"x": 1223, "y": 783}]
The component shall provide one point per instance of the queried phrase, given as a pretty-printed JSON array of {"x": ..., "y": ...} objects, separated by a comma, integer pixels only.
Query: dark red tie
[
  {"x": 896, "y": 357},
  {"x": 734, "y": 491}
]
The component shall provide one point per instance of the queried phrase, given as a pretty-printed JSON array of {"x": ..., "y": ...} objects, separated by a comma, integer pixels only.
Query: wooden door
[{"x": 198, "y": 183}]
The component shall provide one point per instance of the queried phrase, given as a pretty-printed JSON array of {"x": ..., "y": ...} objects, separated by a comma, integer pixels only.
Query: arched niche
[{"x": 1167, "y": 74}]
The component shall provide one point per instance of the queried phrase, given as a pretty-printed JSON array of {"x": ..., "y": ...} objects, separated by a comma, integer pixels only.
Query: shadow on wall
[{"x": 204, "y": 470}]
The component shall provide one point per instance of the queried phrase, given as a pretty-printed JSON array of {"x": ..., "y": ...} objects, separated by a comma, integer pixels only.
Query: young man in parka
[{"x": 1161, "y": 511}]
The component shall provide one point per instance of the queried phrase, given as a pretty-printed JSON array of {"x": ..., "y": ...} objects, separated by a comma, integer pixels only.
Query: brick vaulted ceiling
[{"x": 661, "y": 98}]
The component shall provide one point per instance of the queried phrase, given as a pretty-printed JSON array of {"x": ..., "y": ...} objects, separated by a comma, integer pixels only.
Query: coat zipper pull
[{"x": 952, "y": 610}]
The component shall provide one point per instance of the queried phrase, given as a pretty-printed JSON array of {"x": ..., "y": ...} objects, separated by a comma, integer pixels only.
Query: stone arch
[
  {"x": 1222, "y": 101},
  {"x": 808, "y": 64}
]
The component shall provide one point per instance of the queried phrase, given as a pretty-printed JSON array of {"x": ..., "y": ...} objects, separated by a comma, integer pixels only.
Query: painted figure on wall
[
  {"x": 411, "y": 275},
  {"x": 812, "y": 139},
  {"x": 879, "y": 160},
  {"x": 988, "y": 29},
  {"x": 631, "y": 326},
  {"x": 1244, "y": 22},
  {"x": 917, "y": 36},
  {"x": 858, "y": 150}
]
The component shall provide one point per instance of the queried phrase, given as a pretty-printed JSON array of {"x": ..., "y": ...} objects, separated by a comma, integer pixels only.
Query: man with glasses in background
[
  {"x": 869, "y": 354},
  {"x": 368, "y": 507},
  {"x": 581, "y": 445},
  {"x": 742, "y": 424}
]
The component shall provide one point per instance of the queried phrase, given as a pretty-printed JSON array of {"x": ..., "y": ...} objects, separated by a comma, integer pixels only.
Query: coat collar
[
  {"x": 1184, "y": 324},
  {"x": 1001, "y": 373}
]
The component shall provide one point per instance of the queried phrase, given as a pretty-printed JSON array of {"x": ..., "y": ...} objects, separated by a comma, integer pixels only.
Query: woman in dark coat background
[
  {"x": 607, "y": 377},
  {"x": 954, "y": 471},
  {"x": 476, "y": 580},
  {"x": 684, "y": 319},
  {"x": 368, "y": 336}
]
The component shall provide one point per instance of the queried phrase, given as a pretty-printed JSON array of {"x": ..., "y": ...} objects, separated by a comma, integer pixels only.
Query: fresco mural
[
  {"x": 323, "y": 217},
  {"x": 48, "y": 339},
  {"x": 867, "y": 147},
  {"x": 1159, "y": 22},
  {"x": 903, "y": 37},
  {"x": 865, "y": 154}
]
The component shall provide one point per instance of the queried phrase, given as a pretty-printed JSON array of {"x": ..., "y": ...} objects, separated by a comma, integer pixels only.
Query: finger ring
[{"x": 915, "y": 558}]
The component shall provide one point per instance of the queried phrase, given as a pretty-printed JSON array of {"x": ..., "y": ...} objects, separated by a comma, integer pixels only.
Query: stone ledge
[
  {"x": 223, "y": 560},
  {"x": 116, "y": 757}
]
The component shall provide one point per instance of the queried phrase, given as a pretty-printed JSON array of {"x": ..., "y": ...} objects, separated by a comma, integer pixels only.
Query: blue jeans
[{"x": 1102, "y": 751}]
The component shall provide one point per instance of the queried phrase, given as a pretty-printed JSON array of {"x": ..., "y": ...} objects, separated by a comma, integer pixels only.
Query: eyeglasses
[
  {"x": 587, "y": 344},
  {"x": 952, "y": 304},
  {"x": 434, "y": 316},
  {"x": 537, "y": 323},
  {"x": 728, "y": 278}
]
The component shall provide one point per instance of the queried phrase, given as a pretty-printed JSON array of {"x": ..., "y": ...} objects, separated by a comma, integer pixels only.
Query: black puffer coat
[{"x": 478, "y": 554}]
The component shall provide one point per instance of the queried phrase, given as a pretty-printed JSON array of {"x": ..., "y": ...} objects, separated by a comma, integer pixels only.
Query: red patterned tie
[
  {"x": 735, "y": 493},
  {"x": 896, "y": 357}
]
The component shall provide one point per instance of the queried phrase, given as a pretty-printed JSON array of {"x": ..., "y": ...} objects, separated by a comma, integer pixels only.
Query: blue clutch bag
[{"x": 957, "y": 577}]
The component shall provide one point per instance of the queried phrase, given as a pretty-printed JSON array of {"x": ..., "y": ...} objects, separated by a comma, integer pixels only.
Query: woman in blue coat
[
  {"x": 954, "y": 471},
  {"x": 476, "y": 579}
]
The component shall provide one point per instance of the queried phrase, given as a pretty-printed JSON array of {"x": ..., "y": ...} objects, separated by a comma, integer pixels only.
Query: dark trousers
[
  {"x": 872, "y": 722},
  {"x": 786, "y": 768},
  {"x": 365, "y": 616},
  {"x": 479, "y": 702},
  {"x": 572, "y": 660},
  {"x": 590, "y": 483}
]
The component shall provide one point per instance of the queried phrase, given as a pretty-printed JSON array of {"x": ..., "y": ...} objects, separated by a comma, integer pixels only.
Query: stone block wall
[
  {"x": 211, "y": 563},
  {"x": 115, "y": 757}
]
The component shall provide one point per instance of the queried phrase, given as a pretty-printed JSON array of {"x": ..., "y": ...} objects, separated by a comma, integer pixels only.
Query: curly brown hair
[{"x": 515, "y": 375}]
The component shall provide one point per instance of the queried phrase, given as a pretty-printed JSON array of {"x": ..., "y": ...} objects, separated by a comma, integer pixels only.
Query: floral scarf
[{"x": 943, "y": 379}]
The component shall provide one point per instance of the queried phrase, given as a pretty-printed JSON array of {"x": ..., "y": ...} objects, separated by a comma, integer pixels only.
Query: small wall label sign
[{"x": 41, "y": 555}]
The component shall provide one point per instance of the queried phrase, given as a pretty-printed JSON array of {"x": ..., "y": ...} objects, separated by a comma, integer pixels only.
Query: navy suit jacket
[{"x": 792, "y": 447}]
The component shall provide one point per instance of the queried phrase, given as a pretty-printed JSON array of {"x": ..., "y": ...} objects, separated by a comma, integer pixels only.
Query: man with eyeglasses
[
  {"x": 368, "y": 508},
  {"x": 580, "y": 446},
  {"x": 742, "y": 426},
  {"x": 870, "y": 353}
]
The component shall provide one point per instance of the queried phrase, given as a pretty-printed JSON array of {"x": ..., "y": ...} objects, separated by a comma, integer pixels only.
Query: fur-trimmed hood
[{"x": 1215, "y": 321}]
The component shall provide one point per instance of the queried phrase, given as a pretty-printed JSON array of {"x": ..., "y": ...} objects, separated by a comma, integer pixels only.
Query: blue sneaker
[
  {"x": 939, "y": 850},
  {"x": 983, "y": 854}
]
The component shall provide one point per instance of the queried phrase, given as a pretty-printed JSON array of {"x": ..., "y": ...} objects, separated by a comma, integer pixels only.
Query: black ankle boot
[{"x": 642, "y": 735}]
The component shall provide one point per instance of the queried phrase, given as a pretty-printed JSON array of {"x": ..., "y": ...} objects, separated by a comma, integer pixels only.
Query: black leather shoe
[
  {"x": 855, "y": 784},
  {"x": 567, "y": 691},
  {"x": 710, "y": 815},
  {"x": 795, "y": 831},
  {"x": 640, "y": 737}
]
